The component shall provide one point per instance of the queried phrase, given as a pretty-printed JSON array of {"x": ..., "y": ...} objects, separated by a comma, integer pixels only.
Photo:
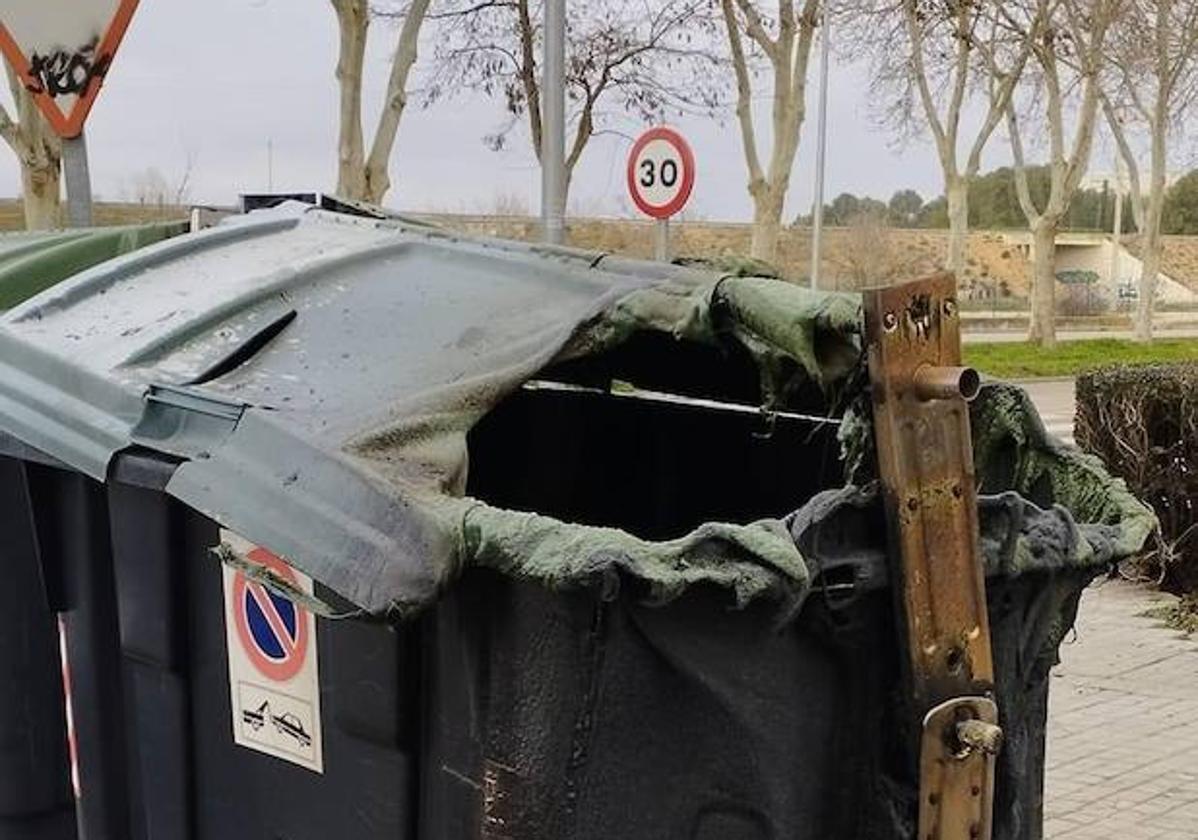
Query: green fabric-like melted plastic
[{"x": 1044, "y": 506}]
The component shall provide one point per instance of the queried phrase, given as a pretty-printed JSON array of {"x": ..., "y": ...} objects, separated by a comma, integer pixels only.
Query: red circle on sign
[
  {"x": 669, "y": 135},
  {"x": 297, "y": 648}
]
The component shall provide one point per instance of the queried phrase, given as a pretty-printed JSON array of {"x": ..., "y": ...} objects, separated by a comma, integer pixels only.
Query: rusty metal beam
[{"x": 925, "y": 462}]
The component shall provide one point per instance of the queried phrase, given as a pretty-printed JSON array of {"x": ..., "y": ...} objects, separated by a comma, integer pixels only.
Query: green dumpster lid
[
  {"x": 316, "y": 375},
  {"x": 31, "y": 262}
]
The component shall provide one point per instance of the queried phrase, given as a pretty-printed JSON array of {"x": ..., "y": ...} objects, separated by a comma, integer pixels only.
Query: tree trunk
[
  {"x": 377, "y": 177},
  {"x": 41, "y": 195},
  {"x": 767, "y": 223},
  {"x": 353, "y": 20},
  {"x": 1150, "y": 257},
  {"x": 1150, "y": 262},
  {"x": 1149, "y": 275},
  {"x": 1043, "y": 328},
  {"x": 957, "y": 192}
]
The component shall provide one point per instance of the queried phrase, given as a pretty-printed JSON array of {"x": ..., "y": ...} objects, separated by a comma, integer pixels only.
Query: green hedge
[{"x": 1143, "y": 421}]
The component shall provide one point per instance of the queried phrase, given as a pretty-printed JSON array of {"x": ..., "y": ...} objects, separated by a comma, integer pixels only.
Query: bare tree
[
  {"x": 153, "y": 190},
  {"x": 930, "y": 59},
  {"x": 784, "y": 40},
  {"x": 645, "y": 59},
  {"x": 1068, "y": 59},
  {"x": 39, "y": 152},
  {"x": 1153, "y": 61},
  {"x": 360, "y": 175},
  {"x": 868, "y": 254}
]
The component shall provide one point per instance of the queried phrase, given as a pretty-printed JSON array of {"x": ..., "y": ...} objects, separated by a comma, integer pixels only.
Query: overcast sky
[{"x": 215, "y": 81}]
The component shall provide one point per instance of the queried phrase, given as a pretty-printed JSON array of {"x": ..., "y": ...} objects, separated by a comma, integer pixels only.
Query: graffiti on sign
[
  {"x": 62, "y": 71},
  {"x": 62, "y": 51}
]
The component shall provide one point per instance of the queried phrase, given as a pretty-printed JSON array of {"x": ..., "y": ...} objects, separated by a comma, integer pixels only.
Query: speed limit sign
[{"x": 661, "y": 172}]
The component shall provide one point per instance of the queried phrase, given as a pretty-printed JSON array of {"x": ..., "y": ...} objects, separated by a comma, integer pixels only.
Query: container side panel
[{"x": 34, "y": 769}]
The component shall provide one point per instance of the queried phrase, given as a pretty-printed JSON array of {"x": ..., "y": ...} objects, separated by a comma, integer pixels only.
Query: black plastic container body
[
  {"x": 508, "y": 710},
  {"x": 36, "y": 800}
]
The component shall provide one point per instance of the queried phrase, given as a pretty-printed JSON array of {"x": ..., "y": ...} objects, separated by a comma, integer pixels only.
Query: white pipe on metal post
[
  {"x": 553, "y": 122},
  {"x": 78, "y": 181},
  {"x": 817, "y": 215}
]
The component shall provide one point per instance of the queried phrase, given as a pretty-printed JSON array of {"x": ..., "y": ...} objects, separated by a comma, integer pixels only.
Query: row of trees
[
  {"x": 1050, "y": 69},
  {"x": 961, "y": 71},
  {"x": 994, "y": 205}
]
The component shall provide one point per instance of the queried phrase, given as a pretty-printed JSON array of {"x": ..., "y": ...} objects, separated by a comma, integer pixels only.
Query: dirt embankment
[
  {"x": 12, "y": 214},
  {"x": 853, "y": 258}
]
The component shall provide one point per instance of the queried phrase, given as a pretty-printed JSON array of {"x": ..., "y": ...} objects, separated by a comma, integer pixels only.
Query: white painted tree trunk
[
  {"x": 40, "y": 189},
  {"x": 957, "y": 193},
  {"x": 1043, "y": 327}
]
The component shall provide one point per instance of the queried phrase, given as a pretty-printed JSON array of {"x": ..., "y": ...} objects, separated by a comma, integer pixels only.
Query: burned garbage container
[
  {"x": 36, "y": 799},
  {"x": 375, "y": 531}
]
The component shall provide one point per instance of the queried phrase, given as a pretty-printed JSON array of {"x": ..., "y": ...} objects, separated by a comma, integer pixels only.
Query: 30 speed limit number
[{"x": 661, "y": 172}]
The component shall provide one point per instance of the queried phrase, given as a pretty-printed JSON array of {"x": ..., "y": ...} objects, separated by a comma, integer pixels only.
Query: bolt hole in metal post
[{"x": 955, "y": 660}]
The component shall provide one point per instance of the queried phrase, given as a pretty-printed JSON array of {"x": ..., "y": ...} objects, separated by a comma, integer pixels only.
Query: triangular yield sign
[{"x": 61, "y": 50}]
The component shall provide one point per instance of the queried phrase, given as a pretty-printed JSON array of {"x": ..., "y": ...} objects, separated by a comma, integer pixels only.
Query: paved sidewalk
[{"x": 1123, "y": 724}]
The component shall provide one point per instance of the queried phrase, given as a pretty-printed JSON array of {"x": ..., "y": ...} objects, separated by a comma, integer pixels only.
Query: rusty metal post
[{"x": 925, "y": 462}]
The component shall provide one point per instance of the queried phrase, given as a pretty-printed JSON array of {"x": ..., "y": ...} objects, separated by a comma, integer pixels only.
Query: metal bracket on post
[{"x": 925, "y": 462}]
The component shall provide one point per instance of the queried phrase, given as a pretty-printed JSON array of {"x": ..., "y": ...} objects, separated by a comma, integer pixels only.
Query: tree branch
[
  {"x": 1000, "y": 98},
  {"x": 1129, "y": 160},
  {"x": 756, "y": 29},
  {"x": 528, "y": 76},
  {"x": 11, "y": 132},
  {"x": 394, "y": 101},
  {"x": 744, "y": 96},
  {"x": 1022, "y": 191},
  {"x": 466, "y": 12},
  {"x": 920, "y": 76}
]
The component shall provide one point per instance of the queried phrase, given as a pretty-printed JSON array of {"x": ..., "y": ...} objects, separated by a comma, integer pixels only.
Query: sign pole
[
  {"x": 817, "y": 212},
  {"x": 78, "y": 181},
  {"x": 661, "y": 241},
  {"x": 553, "y": 132}
]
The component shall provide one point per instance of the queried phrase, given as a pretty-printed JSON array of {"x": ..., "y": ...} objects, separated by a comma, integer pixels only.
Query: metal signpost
[
  {"x": 61, "y": 50},
  {"x": 661, "y": 175},
  {"x": 553, "y": 133},
  {"x": 821, "y": 150}
]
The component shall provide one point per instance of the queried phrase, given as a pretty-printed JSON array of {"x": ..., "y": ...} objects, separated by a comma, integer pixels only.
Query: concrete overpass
[{"x": 1093, "y": 251}]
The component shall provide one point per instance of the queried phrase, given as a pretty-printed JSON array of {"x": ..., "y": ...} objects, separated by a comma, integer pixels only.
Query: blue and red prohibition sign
[{"x": 272, "y": 629}]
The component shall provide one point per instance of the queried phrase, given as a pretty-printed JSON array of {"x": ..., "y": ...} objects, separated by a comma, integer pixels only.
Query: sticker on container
[{"x": 274, "y": 684}]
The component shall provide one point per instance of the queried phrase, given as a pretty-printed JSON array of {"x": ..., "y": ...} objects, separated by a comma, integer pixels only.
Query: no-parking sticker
[{"x": 274, "y": 684}]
